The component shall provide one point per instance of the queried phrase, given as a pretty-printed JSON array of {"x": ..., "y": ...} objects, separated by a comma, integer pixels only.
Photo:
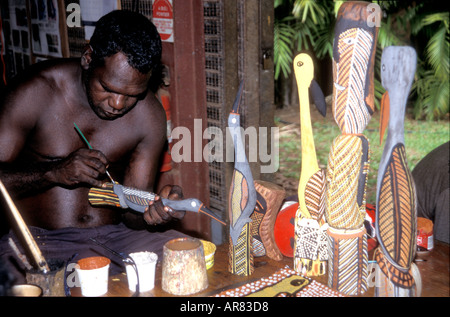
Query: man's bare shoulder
[
  {"x": 50, "y": 75},
  {"x": 150, "y": 115}
]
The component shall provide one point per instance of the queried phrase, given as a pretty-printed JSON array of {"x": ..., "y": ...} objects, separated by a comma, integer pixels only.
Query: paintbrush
[{"x": 91, "y": 148}]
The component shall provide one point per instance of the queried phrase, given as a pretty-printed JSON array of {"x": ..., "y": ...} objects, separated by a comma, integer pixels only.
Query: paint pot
[
  {"x": 93, "y": 275},
  {"x": 425, "y": 241},
  {"x": 51, "y": 283},
  {"x": 145, "y": 265},
  {"x": 184, "y": 267},
  {"x": 26, "y": 290},
  {"x": 209, "y": 248}
]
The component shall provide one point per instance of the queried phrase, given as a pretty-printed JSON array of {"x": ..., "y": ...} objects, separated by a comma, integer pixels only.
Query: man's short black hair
[{"x": 130, "y": 33}]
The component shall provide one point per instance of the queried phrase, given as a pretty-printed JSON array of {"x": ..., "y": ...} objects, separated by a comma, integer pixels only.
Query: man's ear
[{"x": 86, "y": 58}]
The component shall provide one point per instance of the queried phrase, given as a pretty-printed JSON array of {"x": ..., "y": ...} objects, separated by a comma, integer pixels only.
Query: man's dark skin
[{"x": 47, "y": 167}]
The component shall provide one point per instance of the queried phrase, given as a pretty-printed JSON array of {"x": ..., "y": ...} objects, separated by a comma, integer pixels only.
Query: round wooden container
[{"x": 183, "y": 267}]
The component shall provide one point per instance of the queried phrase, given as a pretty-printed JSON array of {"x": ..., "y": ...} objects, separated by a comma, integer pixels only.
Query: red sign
[{"x": 163, "y": 19}]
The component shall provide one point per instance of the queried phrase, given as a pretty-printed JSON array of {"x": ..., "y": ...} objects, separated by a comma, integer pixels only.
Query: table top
[{"x": 433, "y": 266}]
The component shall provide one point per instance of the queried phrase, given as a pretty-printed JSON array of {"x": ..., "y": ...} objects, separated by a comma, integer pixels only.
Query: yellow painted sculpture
[{"x": 310, "y": 252}]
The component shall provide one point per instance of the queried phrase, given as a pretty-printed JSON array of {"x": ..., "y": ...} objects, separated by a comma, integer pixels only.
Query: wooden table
[{"x": 433, "y": 266}]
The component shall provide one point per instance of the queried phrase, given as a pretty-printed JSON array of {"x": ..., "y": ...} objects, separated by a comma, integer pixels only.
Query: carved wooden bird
[
  {"x": 396, "y": 214},
  {"x": 242, "y": 198},
  {"x": 312, "y": 178},
  {"x": 311, "y": 189}
]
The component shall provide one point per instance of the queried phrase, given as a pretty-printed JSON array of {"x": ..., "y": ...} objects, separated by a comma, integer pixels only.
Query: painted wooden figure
[
  {"x": 310, "y": 248},
  {"x": 396, "y": 213},
  {"x": 348, "y": 162},
  {"x": 242, "y": 200},
  {"x": 269, "y": 197}
]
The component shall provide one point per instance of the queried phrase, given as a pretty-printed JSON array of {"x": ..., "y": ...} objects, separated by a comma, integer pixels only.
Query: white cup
[
  {"x": 93, "y": 275},
  {"x": 146, "y": 264}
]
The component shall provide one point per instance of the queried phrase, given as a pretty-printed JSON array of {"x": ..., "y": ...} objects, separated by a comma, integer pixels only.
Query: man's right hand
[{"x": 82, "y": 166}]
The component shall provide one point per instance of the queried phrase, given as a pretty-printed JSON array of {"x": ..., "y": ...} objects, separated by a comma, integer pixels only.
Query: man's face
[{"x": 115, "y": 88}]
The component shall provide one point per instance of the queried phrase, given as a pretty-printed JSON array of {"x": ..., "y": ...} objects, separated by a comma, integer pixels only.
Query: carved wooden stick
[{"x": 24, "y": 233}]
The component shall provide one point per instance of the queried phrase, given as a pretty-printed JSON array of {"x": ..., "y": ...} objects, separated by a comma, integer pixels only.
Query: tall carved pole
[
  {"x": 348, "y": 161},
  {"x": 242, "y": 200},
  {"x": 310, "y": 251},
  {"x": 396, "y": 214}
]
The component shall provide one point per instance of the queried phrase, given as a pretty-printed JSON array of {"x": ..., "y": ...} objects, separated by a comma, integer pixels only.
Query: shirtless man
[{"x": 45, "y": 164}]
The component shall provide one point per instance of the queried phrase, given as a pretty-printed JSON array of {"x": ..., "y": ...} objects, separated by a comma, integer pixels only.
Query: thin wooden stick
[{"x": 30, "y": 243}]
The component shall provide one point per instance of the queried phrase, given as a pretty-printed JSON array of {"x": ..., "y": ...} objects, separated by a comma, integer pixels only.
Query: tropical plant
[
  {"x": 308, "y": 25},
  {"x": 300, "y": 25},
  {"x": 432, "y": 85}
]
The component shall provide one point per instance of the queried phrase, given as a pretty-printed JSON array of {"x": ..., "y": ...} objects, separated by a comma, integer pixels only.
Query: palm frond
[
  {"x": 283, "y": 35},
  {"x": 309, "y": 9},
  {"x": 435, "y": 17},
  {"x": 432, "y": 96},
  {"x": 437, "y": 52}
]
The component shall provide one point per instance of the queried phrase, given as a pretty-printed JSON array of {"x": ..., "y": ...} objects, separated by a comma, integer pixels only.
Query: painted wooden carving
[
  {"x": 242, "y": 200},
  {"x": 348, "y": 162},
  {"x": 310, "y": 252},
  {"x": 116, "y": 195},
  {"x": 396, "y": 214},
  {"x": 269, "y": 198}
]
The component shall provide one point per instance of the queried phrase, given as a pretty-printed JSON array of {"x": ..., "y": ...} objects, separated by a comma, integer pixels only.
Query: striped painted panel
[
  {"x": 343, "y": 176},
  {"x": 103, "y": 197},
  {"x": 402, "y": 278},
  {"x": 315, "y": 196},
  {"x": 348, "y": 261},
  {"x": 396, "y": 210},
  {"x": 240, "y": 259},
  {"x": 350, "y": 110}
]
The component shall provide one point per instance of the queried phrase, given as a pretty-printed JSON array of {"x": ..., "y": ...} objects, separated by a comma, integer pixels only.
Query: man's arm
[
  {"x": 20, "y": 112},
  {"x": 143, "y": 168},
  {"x": 17, "y": 119}
]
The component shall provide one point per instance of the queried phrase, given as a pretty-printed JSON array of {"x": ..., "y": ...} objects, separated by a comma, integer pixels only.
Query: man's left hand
[{"x": 156, "y": 213}]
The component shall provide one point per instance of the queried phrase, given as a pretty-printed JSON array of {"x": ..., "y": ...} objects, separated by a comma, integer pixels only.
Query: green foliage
[
  {"x": 300, "y": 25},
  {"x": 283, "y": 38},
  {"x": 308, "y": 25},
  {"x": 432, "y": 86}
]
